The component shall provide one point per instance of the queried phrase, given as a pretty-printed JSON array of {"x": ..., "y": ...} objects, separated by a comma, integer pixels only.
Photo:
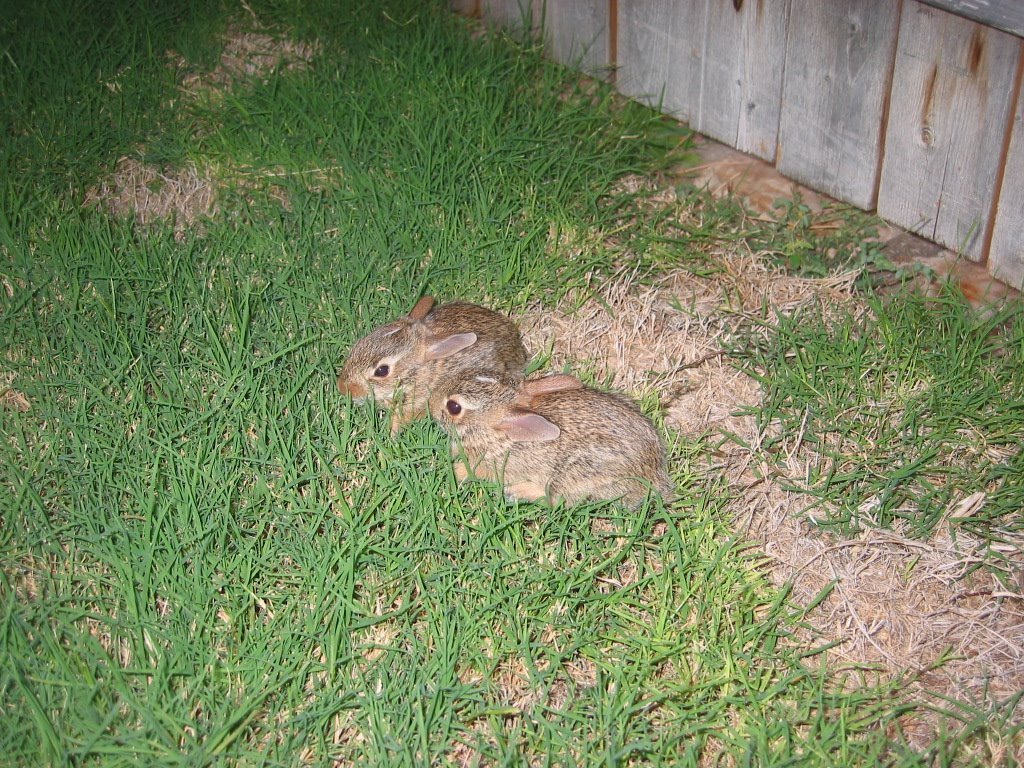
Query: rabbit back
[
  {"x": 607, "y": 449},
  {"x": 601, "y": 446}
]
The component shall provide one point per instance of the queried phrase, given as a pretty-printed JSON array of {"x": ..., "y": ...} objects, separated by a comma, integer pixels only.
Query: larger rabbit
[
  {"x": 551, "y": 438},
  {"x": 399, "y": 363}
]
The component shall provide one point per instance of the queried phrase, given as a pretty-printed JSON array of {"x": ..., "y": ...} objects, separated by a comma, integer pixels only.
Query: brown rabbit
[
  {"x": 551, "y": 438},
  {"x": 398, "y": 363}
]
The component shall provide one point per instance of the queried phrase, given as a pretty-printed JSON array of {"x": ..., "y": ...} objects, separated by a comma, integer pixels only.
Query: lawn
[{"x": 210, "y": 556}]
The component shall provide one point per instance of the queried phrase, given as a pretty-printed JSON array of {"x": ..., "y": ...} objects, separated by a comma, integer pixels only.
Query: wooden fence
[{"x": 914, "y": 109}]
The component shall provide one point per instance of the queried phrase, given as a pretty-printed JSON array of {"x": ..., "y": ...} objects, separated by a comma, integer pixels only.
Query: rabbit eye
[
  {"x": 382, "y": 371},
  {"x": 453, "y": 408}
]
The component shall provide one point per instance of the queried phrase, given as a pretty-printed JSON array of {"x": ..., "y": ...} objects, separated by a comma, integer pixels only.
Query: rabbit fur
[
  {"x": 550, "y": 438},
  {"x": 399, "y": 363}
]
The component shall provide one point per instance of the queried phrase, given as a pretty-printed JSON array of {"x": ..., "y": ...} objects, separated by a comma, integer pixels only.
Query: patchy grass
[
  {"x": 207, "y": 555},
  {"x": 935, "y": 606},
  {"x": 910, "y": 407}
]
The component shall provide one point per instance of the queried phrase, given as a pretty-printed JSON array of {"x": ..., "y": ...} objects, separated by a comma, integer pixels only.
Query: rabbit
[
  {"x": 551, "y": 438},
  {"x": 398, "y": 363}
]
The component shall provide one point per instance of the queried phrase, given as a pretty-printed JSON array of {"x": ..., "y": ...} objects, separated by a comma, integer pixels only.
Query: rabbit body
[
  {"x": 551, "y": 438},
  {"x": 398, "y": 363}
]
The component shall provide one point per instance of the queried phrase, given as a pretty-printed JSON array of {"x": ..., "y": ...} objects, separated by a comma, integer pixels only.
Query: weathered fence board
[
  {"x": 743, "y": 50},
  {"x": 838, "y": 64},
  {"x": 1006, "y": 256},
  {"x": 950, "y": 104},
  {"x": 659, "y": 49},
  {"x": 512, "y": 15},
  {"x": 898, "y": 106},
  {"x": 1007, "y": 15},
  {"x": 717, "y": 66},
  {"x": 577, "y": 34}
]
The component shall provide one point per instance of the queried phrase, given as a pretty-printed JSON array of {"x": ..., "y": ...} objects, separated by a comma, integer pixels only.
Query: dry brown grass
[
  {"x": 11, "y": 398},
  {"x": 899, "y": 606},
  {"x": 150, "y": 195},
  {"x": 247, "y": 55}
]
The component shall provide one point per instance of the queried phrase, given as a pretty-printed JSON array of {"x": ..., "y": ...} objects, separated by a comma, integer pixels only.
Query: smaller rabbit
[
  {"x": 551, "y": 438},
  {"x": 398, "y": 363}
]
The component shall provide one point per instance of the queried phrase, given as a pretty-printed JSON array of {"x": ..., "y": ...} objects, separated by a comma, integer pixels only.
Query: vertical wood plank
[
  {"x": 510, "y": 15},
  {"x": 838, "y": 64},
  {"x": 659, "y": 53},
  {"x": 743, "y": 53},
  {"x": 1006, "y": 255},
  {"x": 577, "y": 34},
  {"x": 949, "y": 109}
]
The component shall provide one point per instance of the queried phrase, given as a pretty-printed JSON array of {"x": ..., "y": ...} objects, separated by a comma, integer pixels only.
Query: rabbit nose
[{"x": 352, "y": 388}]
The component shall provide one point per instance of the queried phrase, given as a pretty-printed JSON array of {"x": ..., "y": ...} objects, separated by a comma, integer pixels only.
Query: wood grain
[
  {"x": 1006, "y": 255},
  {"x": 1007, "y": 15},
  {"x": 740, "y": 88},
  {"x": 951, "y": 97},
  {"x": 659, "y": 53},
  {"x": 838, "y": 70},
  {"x": 577, "y": 34}
]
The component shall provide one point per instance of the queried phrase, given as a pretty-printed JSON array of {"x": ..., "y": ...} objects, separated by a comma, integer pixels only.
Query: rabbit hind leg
[{"x": 631, "y": 492}]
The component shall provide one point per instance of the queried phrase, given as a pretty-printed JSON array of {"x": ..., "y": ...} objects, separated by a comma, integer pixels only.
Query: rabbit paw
[{"x": 527, "y": 490}]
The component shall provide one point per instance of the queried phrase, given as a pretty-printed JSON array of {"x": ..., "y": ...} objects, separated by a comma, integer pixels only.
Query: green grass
[
  {"x": 207, "y": 556},
  {"x": 912, "y": 407},
  {"x": 84, "y": 83}
]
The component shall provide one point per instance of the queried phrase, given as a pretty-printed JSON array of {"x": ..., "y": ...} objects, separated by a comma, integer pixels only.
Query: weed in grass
[{"x": 816, "y": 244}]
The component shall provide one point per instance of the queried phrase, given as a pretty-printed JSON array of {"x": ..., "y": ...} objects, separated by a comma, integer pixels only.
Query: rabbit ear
[
  {"x": 524, "y": 426},
  {"x": 449, "y": 345},
  {"x": 421, "y": 309},
  {"x": 556, "y": 382}
]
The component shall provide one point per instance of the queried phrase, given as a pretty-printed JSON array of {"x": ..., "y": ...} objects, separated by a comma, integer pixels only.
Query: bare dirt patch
[
  {"x": 150, "y": 194},
  {"x": 246, "y": 56},
  {"x": 898, "y": 608}
]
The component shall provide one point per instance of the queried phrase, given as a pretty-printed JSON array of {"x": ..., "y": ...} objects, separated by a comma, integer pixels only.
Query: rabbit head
[{"x": 398, "y": 363}]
